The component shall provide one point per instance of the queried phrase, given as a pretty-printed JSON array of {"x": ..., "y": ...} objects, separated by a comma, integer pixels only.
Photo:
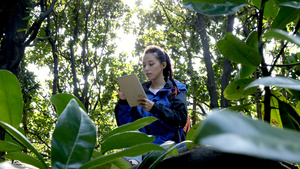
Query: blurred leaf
[
  {"x": 132, "y": 126},
  {"x": 120, "y": 163},
  {"x": 292, "y": 4},
  {"x": 11, "y": 106},
  {"x": 161, "y": 157},
  {"x": 235, "y": 50},
  {"x": 23, "y": 140},
  {"x": 236, "y": 89},
  {"x": 289, "y": 117},
  {"x": 252, "y": 40},
  {"x": 230, "y": 132},
  {"x": 61, "y": 101},
  {"x": 150, "y": 159},
  {"x": 277, "y": 81},
  {"x": 73, "y": 139},
  {"x": 271, "y": 9},
  {"x": 192, "y": 134},
  {"x": 241, "y": 107},
  {"x": 129, "y": 139},
  {"x": 284, "y": 16},
  {"x": 275, "y": 118},
  {"x": 24, "y": 158},
  {"x": 131, "y": 152},
  {"x": 282, "y": 35},
  {"x": 220, "y": 7},
  {"x": 8, "y": 146}
]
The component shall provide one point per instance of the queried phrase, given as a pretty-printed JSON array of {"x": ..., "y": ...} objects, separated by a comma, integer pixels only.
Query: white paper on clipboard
[{"x": 132, "y": 88}]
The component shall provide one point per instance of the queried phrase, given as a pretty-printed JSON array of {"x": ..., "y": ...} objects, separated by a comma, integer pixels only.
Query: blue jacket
[{"x": 172, "y": 116}]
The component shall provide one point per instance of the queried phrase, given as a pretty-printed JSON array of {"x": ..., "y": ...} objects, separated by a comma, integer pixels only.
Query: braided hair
[{"x": 162, "y": 56}]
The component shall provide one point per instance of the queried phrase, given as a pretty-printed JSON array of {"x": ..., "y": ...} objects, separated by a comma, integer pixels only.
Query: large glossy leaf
[
  {"x": 61, "y": 101},
  {"x": 131, "y": 152},
  {"x": 252, "y": 41},
  {"x": 277, "y": 81},
  {"x": 161, "y": 157},
  {"x": 236, "y": 89},
  {"x": 23, "y": 140},
  {"x": 271, "y": 9},
  {"x": 24, "y": 158},
  {"x": 11, "y": 106},
  {"x": 284, "y": 16},
  {"x": 217, "y": 7},
  {"x": 192, "y": 135},
  {"x": 231, "y": 132},
  {"x": 113, "y": 142},
  {"x": 8, "y": 146},
  {"x": 118, "y": 163},
  {"x": 235, "y": 50},
  {"x": 73, "y": 139},
  {"x": 275, "y": 119},
  {"x": 132, "y": 126},
  {"x": 292, "y": 4},
  {"x": 282, "y": 35}
]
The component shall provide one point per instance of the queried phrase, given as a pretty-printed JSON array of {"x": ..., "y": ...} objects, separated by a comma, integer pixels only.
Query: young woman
[{"x": 171, "y": 112}]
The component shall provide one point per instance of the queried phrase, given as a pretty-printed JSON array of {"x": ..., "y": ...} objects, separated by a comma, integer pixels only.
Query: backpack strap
[{"x": 173, "y": 94}]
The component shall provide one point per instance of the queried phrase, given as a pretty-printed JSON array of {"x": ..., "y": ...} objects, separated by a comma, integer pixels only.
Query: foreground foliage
[{"x": 74, "y": 137}]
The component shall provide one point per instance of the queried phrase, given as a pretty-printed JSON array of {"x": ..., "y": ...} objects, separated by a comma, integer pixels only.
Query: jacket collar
[{"x": 167, "y": 86}]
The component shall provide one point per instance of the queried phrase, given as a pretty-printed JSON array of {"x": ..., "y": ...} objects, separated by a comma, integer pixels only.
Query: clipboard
[{"x": 132, "y": 88}]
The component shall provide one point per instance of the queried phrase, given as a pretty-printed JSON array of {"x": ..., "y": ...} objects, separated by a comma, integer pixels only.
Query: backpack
[{"x": 173, "y": 94}]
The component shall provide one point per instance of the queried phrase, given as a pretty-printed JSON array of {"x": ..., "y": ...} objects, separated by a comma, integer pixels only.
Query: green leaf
[
  {"x": 277, "y": 81},
  {"x": 289, "y": 117},
  {"x": 245, "y": 71},
  {"x": 73, "y": 139},
  {"x": 228, "y": 131},
  {"x": 284, "y": 16},
  {"x": 24, "y": 158},
  {"x": 271, "y": 9},
  {"x": 241, "y": 107},
  {"x": 131, "y": 152},
  {"x": 219, "y": 7},
  {"x": 23, "y": 140},
  {"x": 236, "y": 89},
  {"x": 113, "y": 142},
  {"x": 150, "y": 159},
  {"x": 292, "y": 4},
  {"x": 61, "y": 101},
  {"x": 161, "y": 157},
  {"x": 132, "y": 126},
  {"x": 252, "y": 41},
  {"x": 192, "y": 135},
  {"x": 120, "y": 163},
  {"x": 282, "y": 35},
  {"x": 11, "y": 106},
  {"x": 8, "y": 146},
  {"x": 235, "y": 50}
]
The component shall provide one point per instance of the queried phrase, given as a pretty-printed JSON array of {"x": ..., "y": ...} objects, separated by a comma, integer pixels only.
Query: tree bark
[
  {"x": 211, "y": 85},
  {"x": 12, "y": 50},
  {"x": 72, "y": 56},
  {"x": 227, "y": 67}
]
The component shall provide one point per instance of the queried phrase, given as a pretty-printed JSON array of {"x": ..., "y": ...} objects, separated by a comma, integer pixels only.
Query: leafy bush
[{"x": 74, "y": 137}]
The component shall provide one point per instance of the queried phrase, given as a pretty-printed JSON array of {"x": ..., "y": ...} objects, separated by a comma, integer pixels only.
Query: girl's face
[{"x": 152, "y": 67}]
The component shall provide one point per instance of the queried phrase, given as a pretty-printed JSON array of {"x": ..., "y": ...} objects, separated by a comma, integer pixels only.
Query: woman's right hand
[{"x": 120, "y": 93}]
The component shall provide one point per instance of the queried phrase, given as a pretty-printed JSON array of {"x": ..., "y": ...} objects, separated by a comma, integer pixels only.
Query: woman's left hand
[{"x": 145, "y": 103}]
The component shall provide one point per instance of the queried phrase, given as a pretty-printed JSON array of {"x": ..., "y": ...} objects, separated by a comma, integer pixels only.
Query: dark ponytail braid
[{"x": 162, "y": 56}]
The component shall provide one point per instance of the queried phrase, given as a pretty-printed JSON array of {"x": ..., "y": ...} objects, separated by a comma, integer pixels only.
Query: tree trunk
[
  {"x": 211, "y": 85},
  {"x": 12, "y": 50},
  {"x": 72, "y": 56},
  {"x": 227, "y": 67}
]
